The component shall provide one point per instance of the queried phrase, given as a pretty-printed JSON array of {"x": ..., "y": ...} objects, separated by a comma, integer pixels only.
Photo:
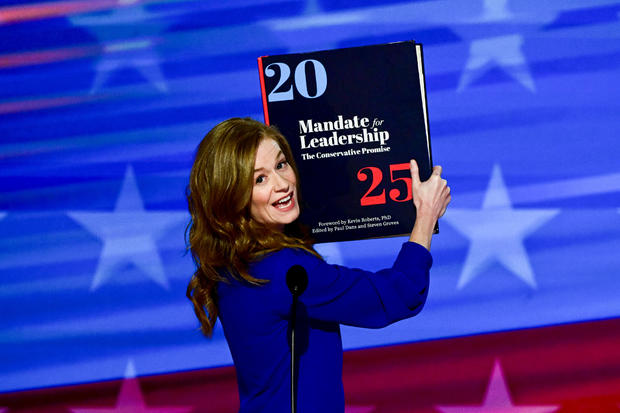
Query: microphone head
[{"x": 297, "y": 279}]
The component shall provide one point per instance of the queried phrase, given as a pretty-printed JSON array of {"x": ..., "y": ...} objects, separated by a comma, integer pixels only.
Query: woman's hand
[{"x": 431, "y": 198}]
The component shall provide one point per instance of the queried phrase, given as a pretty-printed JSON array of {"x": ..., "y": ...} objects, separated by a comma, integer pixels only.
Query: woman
[{"x": 244, "y": 235}]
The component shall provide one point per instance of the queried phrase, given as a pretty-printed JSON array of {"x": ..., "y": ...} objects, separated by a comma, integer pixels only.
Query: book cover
[{"x": 354, "y": 117}]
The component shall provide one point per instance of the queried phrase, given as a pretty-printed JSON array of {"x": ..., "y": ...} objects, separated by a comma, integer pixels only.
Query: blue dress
[{"x": 255, "y": 320}]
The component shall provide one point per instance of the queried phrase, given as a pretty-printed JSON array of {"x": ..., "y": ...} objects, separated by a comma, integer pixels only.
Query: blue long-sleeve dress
[{"x": 255, "y": 320}]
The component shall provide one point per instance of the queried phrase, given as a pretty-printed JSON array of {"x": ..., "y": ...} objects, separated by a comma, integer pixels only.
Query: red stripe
[
  {"x": 42, "y": 103},
  {"x": 39, "y": 57},
  {"x": 23, "y": 12},
  {"x": 576, "y": 366},
  {"x": 262, "y": 89}
]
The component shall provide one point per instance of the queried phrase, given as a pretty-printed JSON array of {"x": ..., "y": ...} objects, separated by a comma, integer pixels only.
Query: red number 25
[{"x": 376, "y": 177}]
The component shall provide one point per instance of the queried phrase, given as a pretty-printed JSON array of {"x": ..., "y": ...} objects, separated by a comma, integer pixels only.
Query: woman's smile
[{"x": 285, "y": 203}]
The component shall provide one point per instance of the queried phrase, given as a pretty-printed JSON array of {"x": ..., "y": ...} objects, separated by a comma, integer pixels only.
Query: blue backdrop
[{"x": 102, "y": 103}]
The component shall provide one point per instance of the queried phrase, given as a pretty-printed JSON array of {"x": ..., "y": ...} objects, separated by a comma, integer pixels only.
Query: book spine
[
  {"x": 425, "y": 97},
  {"x": 262, "y": 89}
]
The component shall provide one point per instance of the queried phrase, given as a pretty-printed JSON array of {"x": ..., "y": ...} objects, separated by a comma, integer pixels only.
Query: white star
[
  {"x": 127, "y": 36},
  {"x": 130, "y": 399},
  {"x": 497, "y": 399},
  {"x": 129, "y": 234},
  {"x": 497, "y": 231},
  {"x": 503, "y": 50}
]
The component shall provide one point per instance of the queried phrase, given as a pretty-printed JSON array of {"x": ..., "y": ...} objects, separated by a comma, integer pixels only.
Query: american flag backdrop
[{"x": 102, "y": 103}]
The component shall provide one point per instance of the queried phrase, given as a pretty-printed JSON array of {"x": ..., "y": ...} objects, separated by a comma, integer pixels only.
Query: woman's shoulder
[
  {"x": 285, "y": 258},
  {"x": 275, "y": 265}
]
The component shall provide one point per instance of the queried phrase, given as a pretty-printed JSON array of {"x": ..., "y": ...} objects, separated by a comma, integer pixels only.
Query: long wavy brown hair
[{"x": 222, "y": 236}]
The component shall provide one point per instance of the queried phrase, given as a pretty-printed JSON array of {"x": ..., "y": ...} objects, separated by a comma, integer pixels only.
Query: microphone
[{"x": 297, "y": 280}]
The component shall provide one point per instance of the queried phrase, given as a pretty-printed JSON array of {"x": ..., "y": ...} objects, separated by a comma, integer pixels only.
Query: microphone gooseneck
[{"x": 296, "y": 281}]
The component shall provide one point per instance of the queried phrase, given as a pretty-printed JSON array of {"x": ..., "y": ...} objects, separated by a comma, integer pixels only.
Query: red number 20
[{"x": 377, "y": 177}]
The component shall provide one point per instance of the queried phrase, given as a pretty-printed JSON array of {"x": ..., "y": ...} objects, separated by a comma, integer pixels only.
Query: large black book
[{"x": 354, "y": 117}]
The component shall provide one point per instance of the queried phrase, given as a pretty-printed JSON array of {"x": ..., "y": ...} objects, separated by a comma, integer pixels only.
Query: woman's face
[{"x": 274, "y": 195}]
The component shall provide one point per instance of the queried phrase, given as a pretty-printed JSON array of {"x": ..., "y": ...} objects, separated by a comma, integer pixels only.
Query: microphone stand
[
  {"x": 293, "y": 356},
  {"x": 297, "y": 281}
]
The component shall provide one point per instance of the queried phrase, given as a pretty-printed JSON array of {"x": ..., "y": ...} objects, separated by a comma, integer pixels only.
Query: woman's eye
[
  {"x": 260, "y": 179},
  {"x": 282, "y": 164}
]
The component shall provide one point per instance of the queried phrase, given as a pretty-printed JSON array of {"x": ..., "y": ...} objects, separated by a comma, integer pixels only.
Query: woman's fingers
[
  {"x": 447, "y": 197},
  {"x": 432, "y": 195},
  {"x": 415, "y": 173}
]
